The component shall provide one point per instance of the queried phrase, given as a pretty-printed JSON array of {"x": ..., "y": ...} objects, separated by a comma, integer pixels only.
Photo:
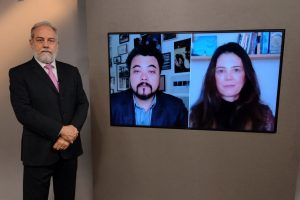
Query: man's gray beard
[{"x": 45, "y": 57}]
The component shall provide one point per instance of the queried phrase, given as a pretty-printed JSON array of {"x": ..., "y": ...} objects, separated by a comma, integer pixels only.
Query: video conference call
[{"x": 210, "y": 80}]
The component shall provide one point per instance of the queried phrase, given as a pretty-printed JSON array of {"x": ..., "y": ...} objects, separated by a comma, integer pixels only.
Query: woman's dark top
[{"x": 233, "y": 116}]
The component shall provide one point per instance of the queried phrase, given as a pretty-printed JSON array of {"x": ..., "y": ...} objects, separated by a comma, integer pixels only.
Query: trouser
[{"x": 36, "y": 180}]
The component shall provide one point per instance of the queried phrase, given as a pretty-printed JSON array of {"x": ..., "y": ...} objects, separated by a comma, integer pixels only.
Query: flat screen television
[{"x": 208, "y": 80}]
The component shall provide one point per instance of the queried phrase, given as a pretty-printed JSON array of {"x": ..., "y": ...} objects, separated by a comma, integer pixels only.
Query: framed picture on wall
[
  {"x": 123, "y": 38},
  {"x": 153, "y": 39},
  {"x": 162, "y": 83},
  {"x": 168, "y": 36},
  {"x": 122, "y": 77},
  {"x": 167, "y": 61},
  {"x": 182, "y": 56},
  {"x": 117, "y": 59},
  {"x": 122, "y": 49},
  {"x": 204, "y": 45}
]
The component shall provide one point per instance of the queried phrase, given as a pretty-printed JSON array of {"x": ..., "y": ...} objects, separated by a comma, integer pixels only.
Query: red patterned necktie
[{"x": 53, "y": 78}]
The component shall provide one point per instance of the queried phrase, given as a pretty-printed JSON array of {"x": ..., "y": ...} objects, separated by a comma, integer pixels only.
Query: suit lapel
[
  {"x": 60, "y": 75},
  {"x": 43, "y": 75}
]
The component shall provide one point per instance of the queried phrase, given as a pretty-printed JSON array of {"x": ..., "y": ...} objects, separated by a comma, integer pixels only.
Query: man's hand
[
  {"x": 61, "y": 144},
  {"x": 69, "y": 133}
]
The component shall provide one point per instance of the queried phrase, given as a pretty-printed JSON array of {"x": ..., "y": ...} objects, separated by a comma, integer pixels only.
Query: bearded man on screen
[{"x": 143, "y": 104}]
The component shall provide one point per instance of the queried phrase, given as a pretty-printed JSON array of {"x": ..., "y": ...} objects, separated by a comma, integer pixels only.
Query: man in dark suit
[
  {"x": 143, "y": 104},
  {"x": 49, "y": 101}
]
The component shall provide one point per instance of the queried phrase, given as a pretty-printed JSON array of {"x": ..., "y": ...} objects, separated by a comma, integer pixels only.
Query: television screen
[{"x": 209, "y": 80}]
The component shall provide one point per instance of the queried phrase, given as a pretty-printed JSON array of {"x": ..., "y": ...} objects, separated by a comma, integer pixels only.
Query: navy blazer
[
  {"x": 168, "y": 112},
  {"x": 42, "y": 110}
]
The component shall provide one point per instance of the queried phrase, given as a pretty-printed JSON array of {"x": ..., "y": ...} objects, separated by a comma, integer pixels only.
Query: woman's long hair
[{"x": 204, "y": 111}]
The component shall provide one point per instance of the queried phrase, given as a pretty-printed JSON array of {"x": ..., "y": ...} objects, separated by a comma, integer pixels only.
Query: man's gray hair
[{"x": 42, "y": 23}]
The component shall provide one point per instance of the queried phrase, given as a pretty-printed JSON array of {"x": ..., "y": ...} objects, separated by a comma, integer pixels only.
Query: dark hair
[
  {"x": 179, "y": 56},
  {"x": 145, "y": 50},
  {"x": 247, "y": 109},
  {"x": 250, "y": 91}
]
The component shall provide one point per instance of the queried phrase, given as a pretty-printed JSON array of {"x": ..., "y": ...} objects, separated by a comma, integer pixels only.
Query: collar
[
  {"x": 137, "y": 105},
  {"x": 43, "y": 64}
]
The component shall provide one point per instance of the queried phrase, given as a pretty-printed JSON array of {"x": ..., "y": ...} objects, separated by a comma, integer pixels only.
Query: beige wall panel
[{"x": 160, "y": 164}]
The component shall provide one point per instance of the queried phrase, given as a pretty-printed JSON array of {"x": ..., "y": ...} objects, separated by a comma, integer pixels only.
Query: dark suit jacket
[
  {"x": 43, "y": 111},
  {"x": 168, "y": 112}
]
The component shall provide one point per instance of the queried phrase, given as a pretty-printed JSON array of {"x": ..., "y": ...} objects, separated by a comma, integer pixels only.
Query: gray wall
[
  {"x": 16, "y": 19},
  {"x": 147, "y": 164}
]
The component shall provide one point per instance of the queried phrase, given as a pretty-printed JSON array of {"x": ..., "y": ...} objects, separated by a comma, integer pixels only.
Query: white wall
[{"x": 16, "y": 19}]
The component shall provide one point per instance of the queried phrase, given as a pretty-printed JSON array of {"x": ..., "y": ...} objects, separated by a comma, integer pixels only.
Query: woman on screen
[{"x": 230, "y": 97}]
